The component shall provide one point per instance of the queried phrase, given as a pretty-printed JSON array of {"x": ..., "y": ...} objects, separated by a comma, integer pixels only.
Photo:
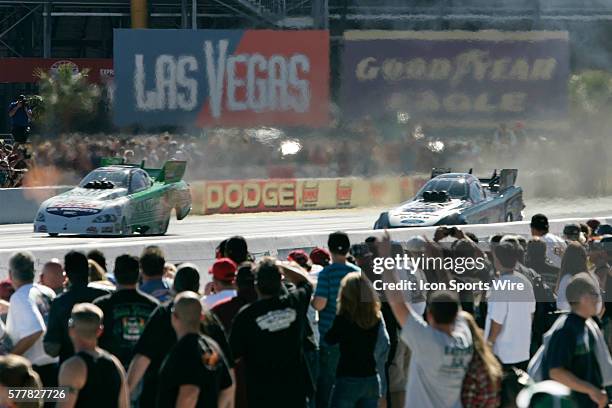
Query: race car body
[
  {"x": 118, "y": 199},
  {"x": 459, "y": 198}
]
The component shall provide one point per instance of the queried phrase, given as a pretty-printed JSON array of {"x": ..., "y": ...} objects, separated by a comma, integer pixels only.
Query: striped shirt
[{"x": 328, "y": 285}]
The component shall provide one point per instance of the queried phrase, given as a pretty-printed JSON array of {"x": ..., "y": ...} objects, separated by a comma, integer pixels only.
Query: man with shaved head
[
  {"x": 195, "y": 372},
  {"x": 94, "y": 377},
  {"x": 53, "y": 276}
]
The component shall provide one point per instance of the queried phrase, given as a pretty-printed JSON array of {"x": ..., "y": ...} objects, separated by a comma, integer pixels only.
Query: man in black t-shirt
[
  {"x": 159, "y": 337},
  {"x": 269, "y": 336},
  {"x": 125, "y": 311},
  {"x": 195, "y": 372},
  {"x": 570, "y": 356},
  {"x": 56, "y": 341}
]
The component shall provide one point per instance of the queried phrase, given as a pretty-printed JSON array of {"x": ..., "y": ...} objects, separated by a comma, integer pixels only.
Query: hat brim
[{"x": 291, "y": 266}]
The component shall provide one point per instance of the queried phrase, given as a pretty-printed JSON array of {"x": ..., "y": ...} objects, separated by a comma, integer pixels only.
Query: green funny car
[{"x": 118, "y": 199}]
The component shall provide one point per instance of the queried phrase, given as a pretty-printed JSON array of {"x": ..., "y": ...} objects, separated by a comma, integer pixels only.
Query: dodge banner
[
  {"x": 221, "y": 77},
  {"x": 457, "y": 78}
]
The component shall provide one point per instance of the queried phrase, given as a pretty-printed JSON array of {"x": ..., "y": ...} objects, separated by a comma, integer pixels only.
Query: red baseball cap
[
  {"x": 224, "y": 269},
  {"x": 299, "y": 256},
  {"x": 6, "y": 289},
  {"x": 320, "y": 256}
]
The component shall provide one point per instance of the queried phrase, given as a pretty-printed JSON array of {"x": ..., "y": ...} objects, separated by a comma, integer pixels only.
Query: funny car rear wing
[
  {"x": 502, "y": 181},
  {"x": 172, "y": 171}
]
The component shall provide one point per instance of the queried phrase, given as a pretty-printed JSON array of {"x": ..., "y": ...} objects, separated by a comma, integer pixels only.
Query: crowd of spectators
[
  {"x": 266, "y": 152},
  {"x": 320, "y": 329}
]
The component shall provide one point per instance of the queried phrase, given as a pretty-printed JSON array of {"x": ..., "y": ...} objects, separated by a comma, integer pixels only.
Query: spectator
[
  {"x": 97, "y": 277},
  {"x": 574, "y": 262},
  {"x": 53, "y": 276},
  {"x": 169, "y": 271},
  {"x": 598, "y": 258},
  {"x": 510, "y": 311},
  {"x": 158, "y": 338},
  {"x": 21, "y": 116},
  {"x": 236, "y": 249},
  {"x": 441, "y": 347},
  {"x": 57, "y": 341},
  {"x": 593, "y": 225},
  {"x": 17, "y": 372},
  {"x": 555, "y": 246},
  {"x": 572, "y": 232},
  {"x": 328, "y": 285},
  {"x": 97, "y": 256},
  {"x": 6, "y": 290},
  {"x": 320, "y": 256},
  {"x": 227, "y": 309},
  {"x": 125, "y": 311},
  {"x": 27, "y": 318},
  {"x": 223, "y": 272},
  {"x": 535, "y": 259},
  {"x": 573, "y": 354},
  {"x": 94, "y": 377},
  {"x": 152, "y": 263},
  {"x": 269, "y": 335},
  {"x": 195, "y": 372},
  {"x": 357, "y": 328},
  {"x": 483, "y": 380}
]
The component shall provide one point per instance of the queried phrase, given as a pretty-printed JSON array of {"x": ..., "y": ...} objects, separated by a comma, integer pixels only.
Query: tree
[{"x": 68, "y": 100}]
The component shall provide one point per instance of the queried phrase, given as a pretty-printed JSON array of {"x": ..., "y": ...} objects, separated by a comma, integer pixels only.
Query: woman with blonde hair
[
  {"x": 357, "y": 328},
  {"x": 17, "y": 372},
  {"x": 97, "y": 276},
  {"x": 482, "y": 382}
]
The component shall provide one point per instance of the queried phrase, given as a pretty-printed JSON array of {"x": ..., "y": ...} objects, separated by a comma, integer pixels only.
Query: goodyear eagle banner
[
  {"x": 221, "y": 77},
  {"x": 457, "y": 78}
]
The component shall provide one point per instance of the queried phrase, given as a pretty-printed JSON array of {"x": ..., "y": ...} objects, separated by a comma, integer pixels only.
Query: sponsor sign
[
  {"x": 457, "y": 78},
  {"x": 23, "y": 70},
  {"x": 249, "y": 196},
  {"x": 221, "y": 77}
]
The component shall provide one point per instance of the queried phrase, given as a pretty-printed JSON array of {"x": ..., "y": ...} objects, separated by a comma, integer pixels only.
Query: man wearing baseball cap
[
  {"x": 555, "y": 246},
  {"x": 326, "y": 294},
  {"x": 223, "y": 272}
]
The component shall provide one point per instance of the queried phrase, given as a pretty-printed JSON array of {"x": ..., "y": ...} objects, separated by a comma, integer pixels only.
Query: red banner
[
  {"x": 23, "y": 70},
  {"x": 249, "y": 196}
]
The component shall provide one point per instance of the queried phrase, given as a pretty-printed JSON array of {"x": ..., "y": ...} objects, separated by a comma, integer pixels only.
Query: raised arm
[{"x": 401, "y": 310}]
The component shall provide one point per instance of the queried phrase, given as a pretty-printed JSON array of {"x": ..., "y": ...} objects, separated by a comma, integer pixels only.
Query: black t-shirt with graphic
[
  {"x": 269, "y": 336},
  {"x": 572, "y": 347},
  {"x": 125, "y": 315},
  {"x": 159, "y": 337},
  {"x": 193, "y": 360}
]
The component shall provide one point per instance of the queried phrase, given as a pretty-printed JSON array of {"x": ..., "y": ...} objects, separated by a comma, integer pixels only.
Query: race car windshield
[
  {"x": 118, "y": 178},
  {"x": 454, "y": 188}
]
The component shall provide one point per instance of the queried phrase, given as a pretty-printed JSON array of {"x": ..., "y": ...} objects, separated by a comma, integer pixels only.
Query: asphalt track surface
[{"x": 20, "y": 236}]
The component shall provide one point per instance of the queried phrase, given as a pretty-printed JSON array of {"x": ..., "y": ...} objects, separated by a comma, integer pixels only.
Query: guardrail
[{"x": 201, "y": 251}]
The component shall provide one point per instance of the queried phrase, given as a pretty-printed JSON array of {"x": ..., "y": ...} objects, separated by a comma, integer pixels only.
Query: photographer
[{"x": 21, "y": 116}]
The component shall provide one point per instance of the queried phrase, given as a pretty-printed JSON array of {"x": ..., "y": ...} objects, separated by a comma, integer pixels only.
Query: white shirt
[
  {"x": 211, "y": 300},
  {"x": 562, "y": 302},
  {"x": 555, "y": 247},
  {"x": 28, "y": 313},
  {"x": 512, "y": 309}
]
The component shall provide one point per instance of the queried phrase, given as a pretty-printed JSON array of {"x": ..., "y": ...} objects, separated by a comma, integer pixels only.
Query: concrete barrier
[
  {"x": 19, "y": 205},
  {"x": 202, "y": 251}
]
